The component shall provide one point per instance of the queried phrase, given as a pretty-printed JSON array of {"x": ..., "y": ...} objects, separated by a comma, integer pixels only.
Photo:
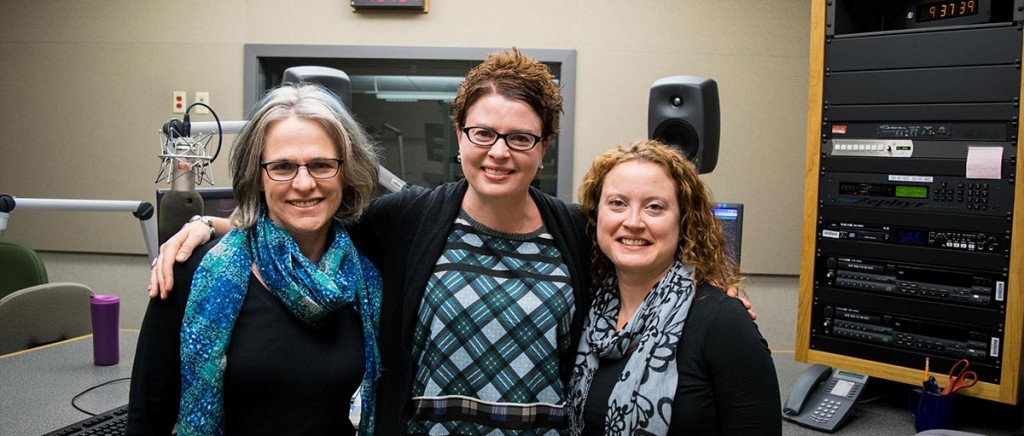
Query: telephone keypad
[{"x": 826, "y": 410}]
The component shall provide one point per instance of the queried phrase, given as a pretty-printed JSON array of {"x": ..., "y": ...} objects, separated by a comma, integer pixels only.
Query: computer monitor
[
  {"x": 731, "y": 217},
  {"x": 219, "y": 202}
]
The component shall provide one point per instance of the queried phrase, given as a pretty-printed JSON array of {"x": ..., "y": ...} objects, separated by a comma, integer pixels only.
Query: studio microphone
[{"x": 184, "y": 163}]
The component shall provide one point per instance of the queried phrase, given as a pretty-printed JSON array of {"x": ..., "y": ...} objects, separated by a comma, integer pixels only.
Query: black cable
[
  {"x": 220, "y": 130},
  {"x": 73, "y": 399}
]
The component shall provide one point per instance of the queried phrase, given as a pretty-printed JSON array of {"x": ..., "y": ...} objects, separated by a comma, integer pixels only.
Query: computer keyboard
[{"x": 109, "y": 423}]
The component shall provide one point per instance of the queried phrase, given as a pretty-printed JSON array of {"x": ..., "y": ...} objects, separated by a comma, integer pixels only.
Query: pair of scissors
[{"x": 960, "y": 376}]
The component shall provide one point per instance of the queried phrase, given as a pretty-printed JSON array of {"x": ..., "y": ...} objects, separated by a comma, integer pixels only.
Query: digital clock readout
[{"x": 946, "y": 9}]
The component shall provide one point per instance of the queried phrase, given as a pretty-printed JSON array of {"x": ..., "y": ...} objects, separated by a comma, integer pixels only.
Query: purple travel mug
[{"x": 105, "y": 310}]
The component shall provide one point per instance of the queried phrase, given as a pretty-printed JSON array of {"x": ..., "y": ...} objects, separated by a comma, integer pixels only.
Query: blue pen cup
[{"x": 931, "y": 410}]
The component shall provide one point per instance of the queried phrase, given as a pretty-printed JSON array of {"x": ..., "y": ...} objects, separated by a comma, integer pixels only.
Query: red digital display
[{"x": 946, "y": 9}]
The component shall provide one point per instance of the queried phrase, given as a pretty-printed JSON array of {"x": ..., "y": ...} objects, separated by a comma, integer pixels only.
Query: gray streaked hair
[{"x": 311, "y": 102}]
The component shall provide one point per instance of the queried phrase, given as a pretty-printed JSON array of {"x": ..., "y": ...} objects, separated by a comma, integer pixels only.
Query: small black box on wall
[{"x": 390, "y": 5}]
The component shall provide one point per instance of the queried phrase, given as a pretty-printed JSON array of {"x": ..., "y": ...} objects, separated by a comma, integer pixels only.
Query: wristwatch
[{"x": 204, "y": 220}]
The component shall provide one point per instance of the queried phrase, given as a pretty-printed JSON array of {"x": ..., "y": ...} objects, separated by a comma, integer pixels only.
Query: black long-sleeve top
[{"x": 282, "y": 377}]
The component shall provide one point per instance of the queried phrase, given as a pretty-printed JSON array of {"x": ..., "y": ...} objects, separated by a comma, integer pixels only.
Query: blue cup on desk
[{"x": 931, "y": 410}]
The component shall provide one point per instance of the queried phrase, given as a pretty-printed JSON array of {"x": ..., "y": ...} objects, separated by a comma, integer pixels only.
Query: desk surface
[{"x": 37, "y": 385}]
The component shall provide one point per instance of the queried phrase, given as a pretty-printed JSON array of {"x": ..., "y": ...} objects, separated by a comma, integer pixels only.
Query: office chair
[
  {"x": 43, "y": 314},
  {"x": 20, "y": 267}
]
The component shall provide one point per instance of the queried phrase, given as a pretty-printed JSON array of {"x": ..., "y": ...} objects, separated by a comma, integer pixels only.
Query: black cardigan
[
  {"x": 727, "y": 381},
  {"x": 404, "y": 234}
]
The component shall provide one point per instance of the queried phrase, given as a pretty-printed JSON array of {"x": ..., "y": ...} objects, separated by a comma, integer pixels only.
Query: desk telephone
[{"x": 823, "y": 398}]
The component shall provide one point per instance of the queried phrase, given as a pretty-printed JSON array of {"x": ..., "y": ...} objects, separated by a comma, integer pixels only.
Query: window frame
[{"x": 255, "y": 79}]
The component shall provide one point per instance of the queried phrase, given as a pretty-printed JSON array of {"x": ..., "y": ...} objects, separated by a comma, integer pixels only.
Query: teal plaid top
[{"x": 495, "y": 314}]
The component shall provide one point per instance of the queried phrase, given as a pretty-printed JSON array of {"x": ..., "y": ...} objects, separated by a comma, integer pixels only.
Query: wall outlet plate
[
  {"x": 179, "y": 102},
  {"x": 202, "y": 97}
]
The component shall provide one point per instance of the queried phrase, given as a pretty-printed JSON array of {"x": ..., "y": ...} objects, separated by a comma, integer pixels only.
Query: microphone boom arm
[{"x": 140, "y": 209}]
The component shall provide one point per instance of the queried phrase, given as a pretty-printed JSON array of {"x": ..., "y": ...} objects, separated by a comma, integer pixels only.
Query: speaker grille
[{"x": 680, "y": 135}]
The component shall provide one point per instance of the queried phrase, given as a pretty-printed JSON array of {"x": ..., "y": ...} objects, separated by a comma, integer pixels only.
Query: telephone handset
[{"x": 823, "y": 398}]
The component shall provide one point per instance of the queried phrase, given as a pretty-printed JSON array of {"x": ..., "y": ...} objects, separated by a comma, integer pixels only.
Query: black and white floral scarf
[{"x": 643, "y": 394}]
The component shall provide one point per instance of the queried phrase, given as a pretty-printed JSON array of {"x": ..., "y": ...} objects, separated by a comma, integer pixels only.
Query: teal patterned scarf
[{"x": 310, "y": 292}]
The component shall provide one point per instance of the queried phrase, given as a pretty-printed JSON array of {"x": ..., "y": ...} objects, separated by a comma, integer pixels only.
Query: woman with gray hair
[{"x": 273, "y": 327}]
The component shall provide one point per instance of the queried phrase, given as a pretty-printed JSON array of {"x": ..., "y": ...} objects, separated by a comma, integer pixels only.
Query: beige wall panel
[
  {"x": 692, "y": 26},
  {"x": 92, "y": 82},
  {"x": 86, "y": 128},
  {"x": 458, "y": 23},
  {"x": 121, "y": 21}
]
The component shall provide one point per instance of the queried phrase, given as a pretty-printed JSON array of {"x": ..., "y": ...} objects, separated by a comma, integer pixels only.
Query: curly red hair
[{"x": 702, "y": 239}]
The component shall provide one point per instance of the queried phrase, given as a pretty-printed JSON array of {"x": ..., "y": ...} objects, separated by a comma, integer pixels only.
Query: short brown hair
[{"x": 514, "y": 76}]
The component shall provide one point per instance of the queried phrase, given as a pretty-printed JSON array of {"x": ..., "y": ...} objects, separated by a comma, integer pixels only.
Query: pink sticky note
[{"x": 984, "y": 162}]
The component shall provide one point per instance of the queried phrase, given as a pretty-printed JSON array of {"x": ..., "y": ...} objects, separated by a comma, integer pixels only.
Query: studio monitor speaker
[{"x": 683, "y": 113}]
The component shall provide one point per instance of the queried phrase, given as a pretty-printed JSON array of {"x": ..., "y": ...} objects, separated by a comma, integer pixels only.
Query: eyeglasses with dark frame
[
  {"x": 284, "y": 170},
  {"x": 484, "y": 137}
]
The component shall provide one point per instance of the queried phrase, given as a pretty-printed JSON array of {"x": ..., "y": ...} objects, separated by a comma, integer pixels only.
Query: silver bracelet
[{"x": 204, "y": 220}]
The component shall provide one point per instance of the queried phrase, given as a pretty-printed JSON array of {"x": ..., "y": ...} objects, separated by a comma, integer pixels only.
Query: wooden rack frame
[{"x": 1009, "y": 389}]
